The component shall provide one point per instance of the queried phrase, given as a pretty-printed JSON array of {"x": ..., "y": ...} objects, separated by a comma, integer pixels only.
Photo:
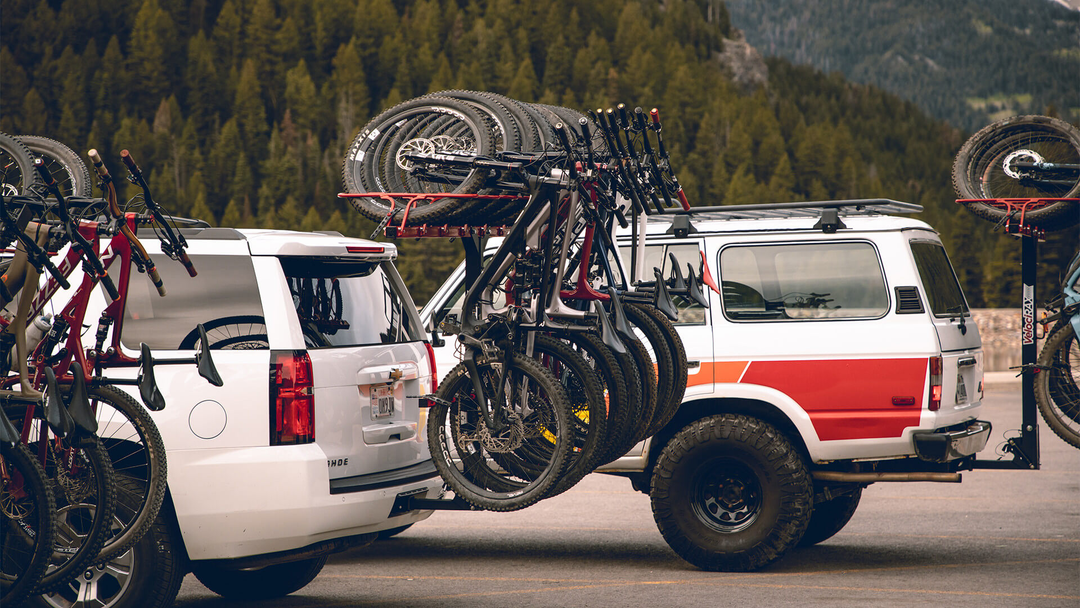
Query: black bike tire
[
  {"x": 16, "y": 586},
  {"x": 475, "y": 487},
  {"x": 618, "y": 376},
  {"x": 191, "y": 340},
  {"x": 69, "y": 171},
  {"x": 71, "y": 565},
  {"x": 17, "y": 173},
  {"x": 662, "y": 358},
  {"x": 356, "y": 168},
  {"x": 590, "y": 438},
  {"x": 988, "y": 145},
  {"x": 667, "y": 409},
  {"x": 495, "y": 107},
  {"x": 144, "y": 461},
  {"x": 648, "y": 391},
  {"x": 397, "y": 181},
  {"x": 1058, "y": 402}
]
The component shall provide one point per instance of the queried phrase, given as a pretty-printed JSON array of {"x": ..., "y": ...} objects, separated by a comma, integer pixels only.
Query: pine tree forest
[{"x": 241, "y": 110}]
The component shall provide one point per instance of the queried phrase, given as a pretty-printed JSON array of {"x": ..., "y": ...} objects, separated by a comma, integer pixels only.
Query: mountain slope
[{"x": 964, "y": 61}]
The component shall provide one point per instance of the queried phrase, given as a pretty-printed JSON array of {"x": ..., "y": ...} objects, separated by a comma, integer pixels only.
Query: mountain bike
[
  {"x": 1022, "y": 168},
  {"x": 1058, "y": 378}
]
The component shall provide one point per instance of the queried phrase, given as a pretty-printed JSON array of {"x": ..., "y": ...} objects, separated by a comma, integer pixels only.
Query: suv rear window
[
  {"x": 224, "y": 297},
  {"x": 795, "y": 282},
  {"x": 938, "y": 279},
  {"x": 342, "y": 302}
]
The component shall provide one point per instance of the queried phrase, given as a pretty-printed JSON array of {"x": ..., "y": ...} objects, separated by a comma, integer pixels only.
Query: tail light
[
  {"x": 292, "y": 398},
  {"x": 434, "y": 371},
  {"x": 935, "y": 383}
]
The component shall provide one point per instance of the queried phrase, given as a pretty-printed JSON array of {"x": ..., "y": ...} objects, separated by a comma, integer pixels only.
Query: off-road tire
[{"x": 731, "y": 493}]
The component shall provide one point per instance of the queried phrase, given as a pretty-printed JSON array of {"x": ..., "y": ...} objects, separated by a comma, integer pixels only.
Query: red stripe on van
[{"x": 849, "y": 398}]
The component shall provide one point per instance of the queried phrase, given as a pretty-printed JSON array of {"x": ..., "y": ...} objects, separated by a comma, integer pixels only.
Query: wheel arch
[{"x": 761, "y": 409}]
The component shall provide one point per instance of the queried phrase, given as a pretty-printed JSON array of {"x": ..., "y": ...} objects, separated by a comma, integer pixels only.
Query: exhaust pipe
[{"x": 875, "y": 477}]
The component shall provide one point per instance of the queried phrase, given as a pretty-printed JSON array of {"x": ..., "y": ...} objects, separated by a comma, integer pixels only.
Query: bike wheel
[
  {"x": 83, "y": 484},
  {"x": 1056, "y": 385},
  {"x": 27, "y": 526},
  {"x": 498, "y": 470},
  {"x": 137, "y": 453},
  {"x": 237, "y": 332},
  {"x": 661, "y": 356},
  {"x": 69, "y": 171},
  {"x": 676, "y": 384},
  {"x": 991, "y": 165},
  {"x": 370, "y": 153},
  {"x": 17, "y": 174},
  {"x": 588, "y": 409}
]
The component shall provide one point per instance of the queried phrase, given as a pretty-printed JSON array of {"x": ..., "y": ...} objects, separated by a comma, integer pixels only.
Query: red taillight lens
[
  {"x": 292, "y": 398},
  {"x": 935, "y": 383},
  {"x": 434, "y": 371}
]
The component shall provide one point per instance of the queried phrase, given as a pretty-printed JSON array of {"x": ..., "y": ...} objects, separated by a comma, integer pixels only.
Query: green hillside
[
  {"x": 240, "y": 110},
  {"x": 967, "y": 62}
]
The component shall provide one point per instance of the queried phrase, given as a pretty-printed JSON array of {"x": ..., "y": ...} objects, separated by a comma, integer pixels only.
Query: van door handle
[
  {"x": 965, "y": 362},
  {"x": 382, "y": 433}
]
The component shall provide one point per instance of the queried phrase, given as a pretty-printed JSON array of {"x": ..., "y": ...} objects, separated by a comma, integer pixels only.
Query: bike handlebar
[
  {"x": 175, "y": 246},
  {"x": 77, "y": 239}
]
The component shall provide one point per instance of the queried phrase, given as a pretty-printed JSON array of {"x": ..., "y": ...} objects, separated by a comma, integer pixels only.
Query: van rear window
[
  {"x": 805, "y": 281},
  {"x": 938, "y": 279}
]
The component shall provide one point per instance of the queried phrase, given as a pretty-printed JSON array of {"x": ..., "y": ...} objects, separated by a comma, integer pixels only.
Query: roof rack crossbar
[{"x": 880, "y": 205}]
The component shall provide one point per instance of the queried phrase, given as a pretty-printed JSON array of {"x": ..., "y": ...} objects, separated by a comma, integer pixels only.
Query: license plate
[
  {"x": 961, "y": 390},
  {"x": 382, "y": 401}
]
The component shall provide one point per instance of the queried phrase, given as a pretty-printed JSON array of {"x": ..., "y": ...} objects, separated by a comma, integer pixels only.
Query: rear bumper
[{"x": 949, "y": 445}]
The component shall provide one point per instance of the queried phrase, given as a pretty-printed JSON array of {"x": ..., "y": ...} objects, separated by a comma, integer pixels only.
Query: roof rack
[{"x": 857, "y": 206}]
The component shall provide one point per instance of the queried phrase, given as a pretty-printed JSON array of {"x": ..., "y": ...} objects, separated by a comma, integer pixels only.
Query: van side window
[
  {"x": 802, "y": 281},
  {"x": 659, "y": 256},
  {"x": 939, "y": 281}
]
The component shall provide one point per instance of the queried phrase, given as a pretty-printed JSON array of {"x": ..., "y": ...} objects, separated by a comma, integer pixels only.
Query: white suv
[
  {"x": 313, "y": 437},
  {"x": 837, "y": 350}
]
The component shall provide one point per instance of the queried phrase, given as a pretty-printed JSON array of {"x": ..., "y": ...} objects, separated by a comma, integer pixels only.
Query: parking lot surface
[{"x": 999, "y": 538}]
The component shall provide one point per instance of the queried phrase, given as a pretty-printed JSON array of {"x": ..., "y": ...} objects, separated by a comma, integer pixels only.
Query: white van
[{"x": 837, "y": 350}]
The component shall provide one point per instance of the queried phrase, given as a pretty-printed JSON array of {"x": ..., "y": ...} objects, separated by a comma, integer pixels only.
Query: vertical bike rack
[{"x": 1025, "y": 448}]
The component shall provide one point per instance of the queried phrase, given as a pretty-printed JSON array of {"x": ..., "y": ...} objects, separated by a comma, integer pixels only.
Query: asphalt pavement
[{"x": 1007, "y": 538}]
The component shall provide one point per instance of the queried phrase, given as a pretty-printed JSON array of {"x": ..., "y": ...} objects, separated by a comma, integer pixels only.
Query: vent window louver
[{"x": 908, "y": 301}]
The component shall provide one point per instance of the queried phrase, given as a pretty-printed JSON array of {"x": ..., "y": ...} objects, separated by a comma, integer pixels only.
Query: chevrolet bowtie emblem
[{"x": 396, "y": 374}]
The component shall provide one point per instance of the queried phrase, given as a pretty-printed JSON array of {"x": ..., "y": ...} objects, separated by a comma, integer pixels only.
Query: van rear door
[{"x": 961, "y": 346}]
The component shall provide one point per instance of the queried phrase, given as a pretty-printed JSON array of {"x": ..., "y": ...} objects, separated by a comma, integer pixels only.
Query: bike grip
[
  {"x": 46, "y": 176},
  {"x": 99, "y": 166},
  {"x": 186, "y": 261},
  {"x": 130, "y": 162},
  {"x": 107, "y": 283},
  {"x": 682, "y": 199},
  {"x": 152, "y": 272},
  {"x": 655, "y": 113},
  {"x": 639, "y": 118},
  {"x": 624, "y": 121}
]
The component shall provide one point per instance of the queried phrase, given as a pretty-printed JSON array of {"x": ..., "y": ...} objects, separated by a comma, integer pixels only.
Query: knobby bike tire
[
  {"x": 85, "y": 500},
  {"x": 365, "y": 158},
  {"x": 648, "y": 395},
  {"x": 660, "y": 356},
  {"x": 666, "y": 409},
  {"x": 27, "y": 527},
  {"x": 619, "y": 381},
  {"x": 1056, "y": 391},
  {"x": 17, "y": 174},
  {"x": 476, "y": 468},
  {"x": 137, "y": 451},
  {"x": 69, "y": 171},
  {"x": 588, "y": 410},
  {"x": 507, "y": 129},
  {"x": 983, "y": 169}
]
